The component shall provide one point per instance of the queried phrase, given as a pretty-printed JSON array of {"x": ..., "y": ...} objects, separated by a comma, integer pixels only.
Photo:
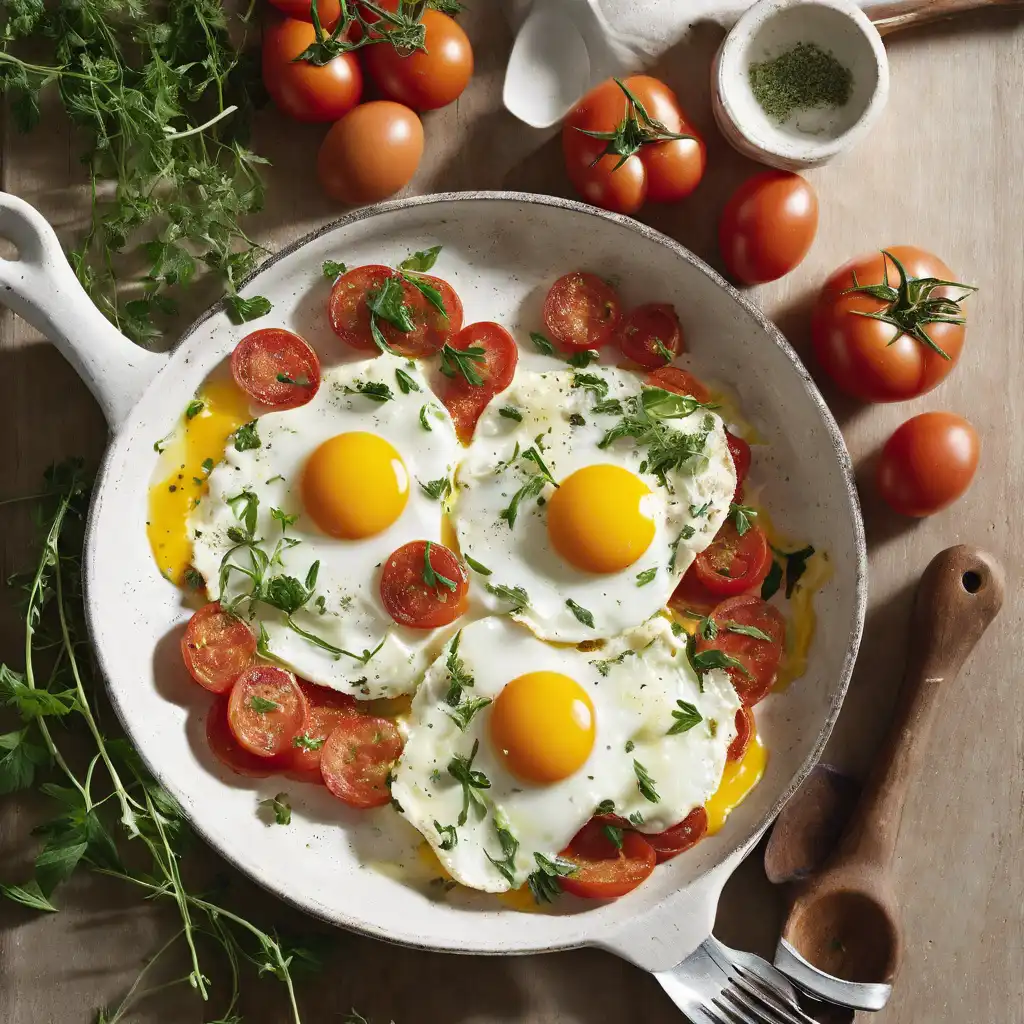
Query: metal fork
[{"x": 719, "y": 985}]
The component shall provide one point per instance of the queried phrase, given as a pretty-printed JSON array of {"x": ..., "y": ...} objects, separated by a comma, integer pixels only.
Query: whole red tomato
[
  {"x": 629, "y": 141},
  {"x": 300, "y": 89},
  {"x": 424, "y": 79},
  {"x": 928, "y": 463},
  {"x": 768, "y": 226},
  {"x": 890, "y": 325}
]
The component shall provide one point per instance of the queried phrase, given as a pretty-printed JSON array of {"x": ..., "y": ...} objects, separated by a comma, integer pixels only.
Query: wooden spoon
[
  {"x": 844, "y": 922},
  {"x": 899, "y": 14}
]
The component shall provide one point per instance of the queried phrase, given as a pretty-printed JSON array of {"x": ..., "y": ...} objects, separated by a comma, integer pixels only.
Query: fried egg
[
  {"x": 306, "y": 506},
  {"x": 575, "y": 524},
  {"x": 507, "y": 757}
]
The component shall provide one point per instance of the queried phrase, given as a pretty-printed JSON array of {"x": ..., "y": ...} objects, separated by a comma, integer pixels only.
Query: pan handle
[{"x": 40, "y": 286}]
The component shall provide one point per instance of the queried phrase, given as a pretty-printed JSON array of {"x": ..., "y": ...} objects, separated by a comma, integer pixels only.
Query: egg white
[
  {"x": 634, "y": 695},
  {"x": 523, "y": 556},
  {"x": 353, "y": 618}
]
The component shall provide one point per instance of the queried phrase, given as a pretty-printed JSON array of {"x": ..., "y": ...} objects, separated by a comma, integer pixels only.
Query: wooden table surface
[{"x": 942, "y": 170}]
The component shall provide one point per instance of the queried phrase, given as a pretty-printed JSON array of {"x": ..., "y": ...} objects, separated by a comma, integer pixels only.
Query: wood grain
[
  {"x": 941, "y": 170},
  {"x": 902, "y": 14}
]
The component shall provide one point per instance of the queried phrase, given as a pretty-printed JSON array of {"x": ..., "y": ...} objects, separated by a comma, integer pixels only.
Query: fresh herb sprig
[{"x": 114, "y": 811}]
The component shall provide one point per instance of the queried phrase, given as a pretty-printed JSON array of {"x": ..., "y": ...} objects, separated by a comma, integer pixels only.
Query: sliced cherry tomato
[
  {"x": 679, "y": 838},
  {"x": 740, "y": 452},
  {"x": 357, "y": 757},
  {"x": 653, "y": 166},
  {"x": 744, "y": 732},
  {"x": 217, "y": 648},
  {"x": 604, "y": 872},
  {"x": 651, "y": 335},
  {"x": 928, "y": 463},
  {"x": 422, "y": 594},
  {"x": 302, "y": 90},
  {"x": 495, "y": 365},
  {"x": 678, "y": 381},
  {"x": 371, "y": 153},
  {"x": 227, "y": 749},
  {"x": 329, "y": 11},
  {"x": 431, "y": 328},
  {"x": 276, "y": 368},
  {"x": 348, "y": 310},
  {"x": 768, "y": 225},
  {"x": 266, "y": 710},
  {"x": 880, "y": 360},
  {"x": 582, "y": 311},
  {"x": 759, "y": 657},
  {"x": 732, "y": 564},
  {"x": 429, "y": 78},
  {"x": 692, "y": 596},
  {"x": 326, "y": 710}
]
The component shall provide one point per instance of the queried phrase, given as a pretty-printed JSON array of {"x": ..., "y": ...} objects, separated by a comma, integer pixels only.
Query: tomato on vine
[
  {"x": 884, "y": 340},
  {"x": 628, "y": 141}
]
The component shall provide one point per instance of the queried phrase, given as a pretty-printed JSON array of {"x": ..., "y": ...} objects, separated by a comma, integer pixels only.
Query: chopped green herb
[
  {"x": 262, "y": 706},
  {"x": 458, "y": 678},
  {"x": 476, "y": 566},
  {"x": 645, "y": 783},
  {"x": 456, "y": 361},
  {"x": 741, "y": 516},
  {"x": 208, "y": 466},
  {"x": 388, "y": 303},
  {"x": 630, "y": 746},
  {"x": 659, "y": 347},
  {"x": 582, "y": 359},
  {"x": 466, "y": 711},
  {"x": 246, "y": 437},
  {"x": 707, "y": 660},
  {"x": 424, "y": 422},
  {"x": 449, "y": 837},
  {"x": 194, "y": 578},
  {"x": 194, "y": 408},
  {"x": 375, "y": 390},
  {"x": 576, "y": 420},
  {"x": 543, "y": 882},
  {"x": 427, "y": 290},
  {"x": 591, "y": 382},
  {"x": 241, "y": 311},
  {"x": 422, "y": 261},
  {"x": 516, "y": 596},
  {"x": 636, "y": 818},
  {"x": 685, "y": 718},
  {"x": 332, "y": 269},
  {"x": 613, "y": 834},
  {"x": 757, "y": 634},
  {"x": 608, "y": 407},
  {"x": 605, "y": 666},
  {"x": 647, "y": 576},
  {"x": 543, "y": 345},
  {"x": 307, "y": 742},
  {"x": 531, "y": 489},
  {"x": 700, "y": 510},
  {"x": 506, "y": 864},
  {"x": 286, "y": 519},
  {"x": 280, "y": 807},
  {"x": 605, "y": 807},
  {"x": 581, "y": 613},
  {"x": 510, "y": 412},
  {"x": 405, "y": 382},
  {"x": 437, "y": 489},
  {"x": 430, "y": 577},
  {"x": 460, "y": 768}
]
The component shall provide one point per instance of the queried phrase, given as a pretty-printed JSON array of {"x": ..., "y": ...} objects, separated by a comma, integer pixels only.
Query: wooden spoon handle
[
  {"x": 959, "y": 595},
  {"x": 891, "y": 17}
]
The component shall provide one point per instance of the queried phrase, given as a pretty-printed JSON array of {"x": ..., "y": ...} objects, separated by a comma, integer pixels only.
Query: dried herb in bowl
[{"x": 801, "y": 78}]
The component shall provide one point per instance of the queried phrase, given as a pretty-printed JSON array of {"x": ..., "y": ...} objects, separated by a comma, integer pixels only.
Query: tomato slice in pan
[
  {"x": 759, "y": 657},
  {"x": 744, "y": 731},
  {"x": 740, "y": 452},
  {"x": 276, "y": 368},
  {"x": 348, "y": 310},
  {"x": 229, "y": 752},
  {"x": 732, "y": 564},
  {"x": 679, "y": 838},
  {"x": 422, "y": 593},
  {"x": 217, "y": 647},
  {"x": 651, "y": 335},
  {"x": 327, "y": 708},
  {"x": 431, "y": 328},
  {"x": 678, "y": 381},
  {"x": 357, "y": 757},
  {"x": 494, "y": 364},
  {"x": 581, "y": 311},
  {"x": 604, "y": 872},
  {"x": 266, "y": 710},
  {"x": 692, "y": 596}
]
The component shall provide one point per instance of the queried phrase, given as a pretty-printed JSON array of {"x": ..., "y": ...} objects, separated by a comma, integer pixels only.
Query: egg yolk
[
  {"x": 225, "y": 407},
  {"x": 598, "y": 520},
  {"x": 542, "y": 726},
  {"x": 355, "y": 485},
  {"x": 738, "y": 779}
]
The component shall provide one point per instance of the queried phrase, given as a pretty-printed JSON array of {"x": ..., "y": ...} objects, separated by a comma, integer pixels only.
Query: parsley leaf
[
  {"x": 405, "y": 382},
  {"x": 613, "y": 834},
  {"x": 307, "y": 742},
  {"x": 757, "y": 634},
  {"x": 449, "y": 837},
  {"x": 424, "y": 422},
  {"x": 476, "y": 566},
  {"x": 430, "y": 577},
  {"x": 713, "y": 658},
  {"x": 460, "y": 768},
  {"x": 516, "y": 596},
  {"x": 332, "y": 269},
  {"x": 455, "y": 361},
  {"x": 645, "y": 783},
  {"x": 510, "y": 412},
  {"x": 543, "y": 345},
  {"x": 375, "y": 390},
  {"x": 591, "y": 382},
  {"x": 194, "y": 408},
  {"x": 605, "y": 666},
  {"x": 741, "y": 516},
  {"x": 531, "y": 489},
  {"x": 280, "y": 807},
  {"x": 647, "y": 576},
  {"x": 422, "y": 261},
  {"x": 438, "y": 489},
  {"x": 286, "y": 519},
  {"x": 543, "y": 882},
  {"x": 241, "y": 311},
  {"x": 685, "y": 718},
  {"x": 19, "y": 758},
  {"x": 636, "y": 818},
  {"x": 458, "y": 678},
  {"x": 466, "y": 711},
  {"x": 509, "y": 847},
  {"x": 583, "y": 358},
  {"x": 246, "y": 437},
  {"x": 387, "y": 303},
  {"x": 262, "y": 706},
  {"x": 605, "y": 807},
  {"x": 581, "y": 613}
]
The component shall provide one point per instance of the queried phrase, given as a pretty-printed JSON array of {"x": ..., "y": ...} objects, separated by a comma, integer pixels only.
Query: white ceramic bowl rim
[
  {"x": 740, "y": 843},
  {"x": 730, "y": 64}
]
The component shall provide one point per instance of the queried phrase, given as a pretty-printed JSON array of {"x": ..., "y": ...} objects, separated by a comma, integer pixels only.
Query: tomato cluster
[{"x": 318, "y": 71}]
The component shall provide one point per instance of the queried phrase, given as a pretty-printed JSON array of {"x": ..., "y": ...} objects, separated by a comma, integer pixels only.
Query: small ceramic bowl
[{"x": 811, "y": 137}]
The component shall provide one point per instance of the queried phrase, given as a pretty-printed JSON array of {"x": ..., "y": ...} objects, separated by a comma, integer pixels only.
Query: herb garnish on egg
[
  {"x": 460, "y": 768},
  {"x": 685, "y": 718},
  {"x": 532, "y": 488},
  {"x": 645, "y": 783},
  {"x": 455, "y": 361},
  {"x": 509, "y": 846},
  {"x": 516, "y": 596},
  {"x": 543, "y": 882},
  {"x": 458, "y": 678}
]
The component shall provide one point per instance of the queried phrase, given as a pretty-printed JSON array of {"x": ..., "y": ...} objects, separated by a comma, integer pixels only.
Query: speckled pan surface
[{"x": 501, "y": 251}]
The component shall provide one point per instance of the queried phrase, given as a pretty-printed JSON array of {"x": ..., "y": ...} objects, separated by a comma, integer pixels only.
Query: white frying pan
[{"x": 501, "y": 250}]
